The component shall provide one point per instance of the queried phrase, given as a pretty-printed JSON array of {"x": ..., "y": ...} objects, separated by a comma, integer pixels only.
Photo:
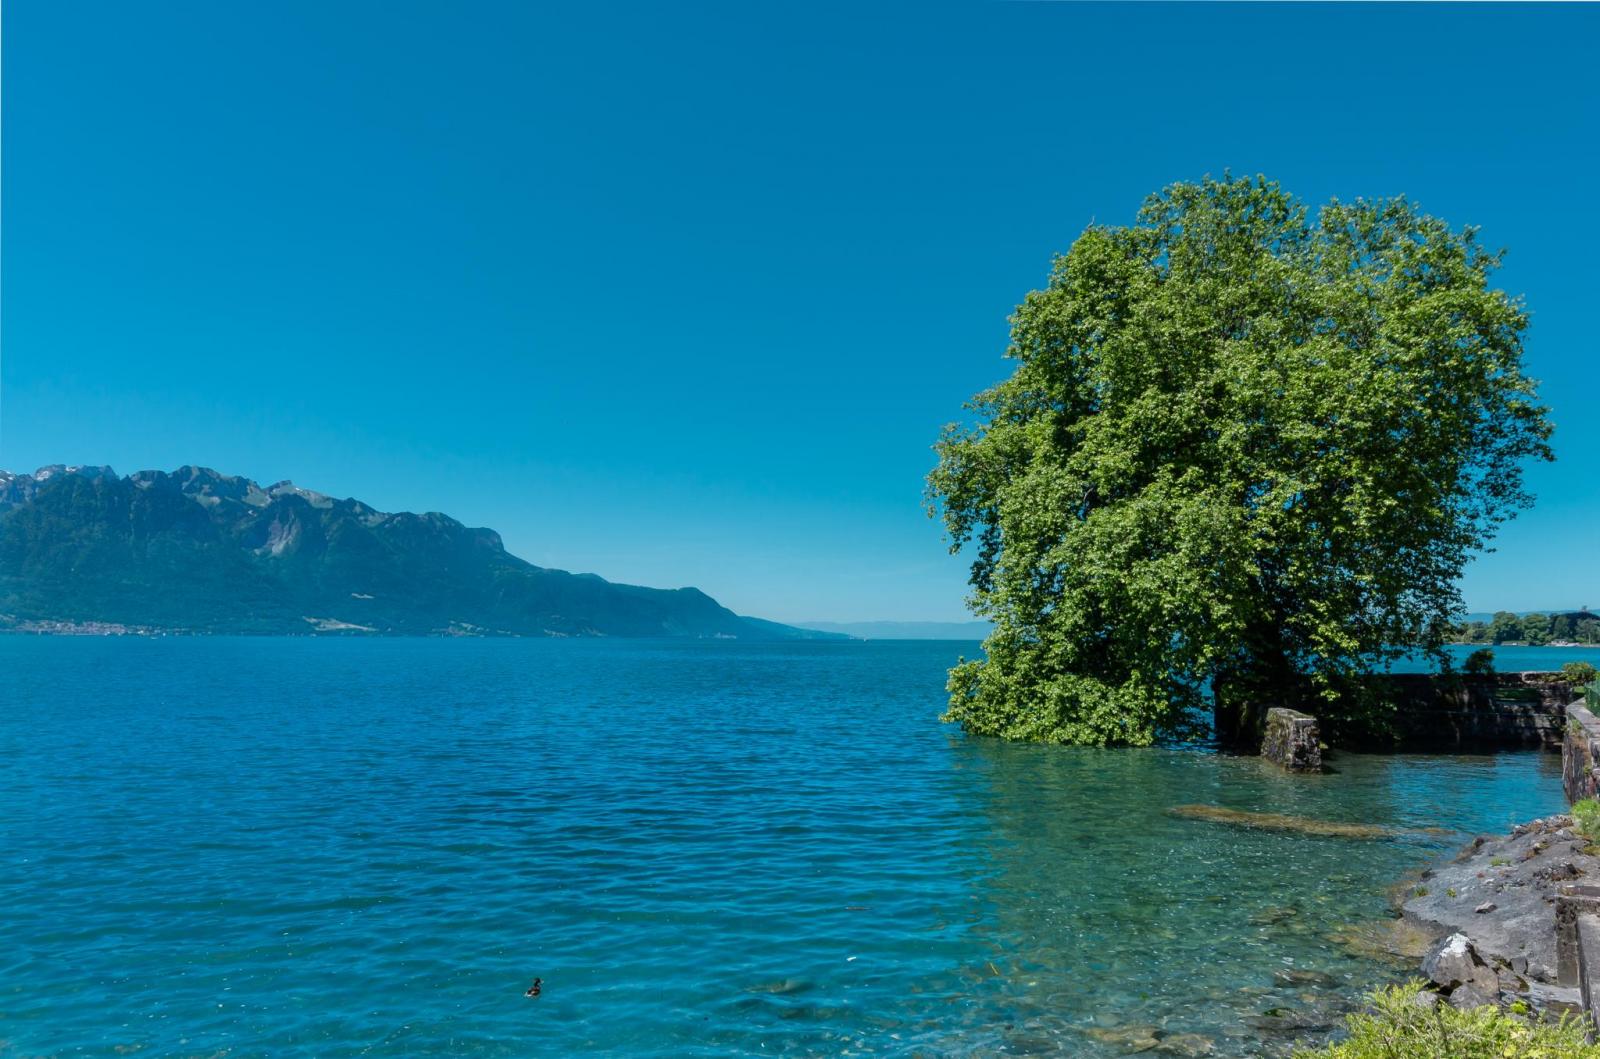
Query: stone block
[{"x": 1293, "y": 740}]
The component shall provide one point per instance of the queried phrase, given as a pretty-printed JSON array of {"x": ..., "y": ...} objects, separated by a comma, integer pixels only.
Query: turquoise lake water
[{"x": 340, "y": 847}]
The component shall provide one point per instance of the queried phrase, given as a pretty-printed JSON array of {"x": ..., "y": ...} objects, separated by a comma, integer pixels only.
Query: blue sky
[{"x": 683, "y": 295}]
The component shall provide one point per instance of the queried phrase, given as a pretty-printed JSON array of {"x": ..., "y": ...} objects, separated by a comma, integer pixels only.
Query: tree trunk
[{"x": 1261, "y": 678}]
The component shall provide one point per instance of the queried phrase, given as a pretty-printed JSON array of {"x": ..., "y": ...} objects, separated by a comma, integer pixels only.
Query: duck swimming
[{"x": 535, "y": 988}]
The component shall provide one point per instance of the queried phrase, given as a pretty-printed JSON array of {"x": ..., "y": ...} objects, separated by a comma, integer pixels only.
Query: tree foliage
[{"x": 1241, "y": 449}]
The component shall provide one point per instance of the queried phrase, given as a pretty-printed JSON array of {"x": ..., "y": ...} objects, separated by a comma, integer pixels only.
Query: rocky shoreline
[{"x": 1493, "y": 911}]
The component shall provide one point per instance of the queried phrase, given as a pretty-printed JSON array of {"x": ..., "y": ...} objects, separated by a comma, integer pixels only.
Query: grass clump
[
  {"x": 1400, "y": 1027},
  {"x": 1586, "y": 817}
]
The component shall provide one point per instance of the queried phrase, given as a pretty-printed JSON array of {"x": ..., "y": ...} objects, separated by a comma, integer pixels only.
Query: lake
[{"x": 348, "y": 847}]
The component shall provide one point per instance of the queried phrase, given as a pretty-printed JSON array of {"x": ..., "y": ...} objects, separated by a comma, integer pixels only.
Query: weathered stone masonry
[
  {"x": 1580, "y": 753},
  {"x": 1293, "y": 740},
  {"x": 1493, "y": 711},
  {"x": 1577, "y": 906}
]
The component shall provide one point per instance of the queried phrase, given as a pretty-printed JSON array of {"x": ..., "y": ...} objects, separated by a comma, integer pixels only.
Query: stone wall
[
  {"x": 1469, "y": 712},
  {"x": 1577, "y": 906},
  {"x": 1580, "y": 753},
  {"x": 1573, "y": 903}
]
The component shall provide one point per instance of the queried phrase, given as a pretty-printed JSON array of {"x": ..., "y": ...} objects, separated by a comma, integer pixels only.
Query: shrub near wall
[
  {"x": 1579, "y": 673},
  {"x": 1401, "y": 1026}
]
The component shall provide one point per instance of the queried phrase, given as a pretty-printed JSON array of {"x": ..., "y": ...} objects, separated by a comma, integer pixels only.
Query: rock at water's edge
[
  {"x": 1454, "y": 961},
  {"x": 1456, "y": 967},
  {"x": 1515, "y": 881}
]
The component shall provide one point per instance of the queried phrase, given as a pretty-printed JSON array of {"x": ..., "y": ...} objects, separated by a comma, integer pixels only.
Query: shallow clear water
[{"x": 370, "y": 847}]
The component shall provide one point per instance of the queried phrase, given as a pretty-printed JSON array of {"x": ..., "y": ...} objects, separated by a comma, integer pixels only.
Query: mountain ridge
[{"x": 196, "y": 550}]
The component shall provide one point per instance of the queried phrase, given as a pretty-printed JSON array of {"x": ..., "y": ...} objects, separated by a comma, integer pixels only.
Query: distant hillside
[
  {"x": 198, "y": 551},
  {"x": 1533, "y": 628},
  {"x": 905, "y": 630},
  {"x": 1486, "y": 616}
]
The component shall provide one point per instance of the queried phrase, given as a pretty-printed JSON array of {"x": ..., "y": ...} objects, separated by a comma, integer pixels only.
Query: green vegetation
[
  {"x": 1586, "y": 816},
  {"x": 1242, "y": 448},
  {"x": 1579, "y": 673},
  {"x": 1536, "y": 630},
  {"x": 1479, "y": 662},
  {"x": 1401, "y": 1027}
]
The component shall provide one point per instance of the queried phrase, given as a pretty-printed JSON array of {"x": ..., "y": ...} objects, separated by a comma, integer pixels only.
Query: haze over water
[{"x": 339, "y": 847}]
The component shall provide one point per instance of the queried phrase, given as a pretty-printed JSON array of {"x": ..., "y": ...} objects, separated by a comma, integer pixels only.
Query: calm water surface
[{"x": 331, "y": 847}]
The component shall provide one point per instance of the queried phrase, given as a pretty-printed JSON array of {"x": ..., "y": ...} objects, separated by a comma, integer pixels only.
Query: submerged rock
[
  {"x": 1191, "y": 1045},
  {"x": 1304, "y": 825},
  {"x": 1282, "y": 1020},
  {"x": 1269, "y": 917},
  {"x": 1301, "y": 976},
  {"x": 1153, "y": 1039},
  {"x": 1128, "y": 1038},
  {"x": 781, "y": 987},
  {"x": 1398, "y": 941}
]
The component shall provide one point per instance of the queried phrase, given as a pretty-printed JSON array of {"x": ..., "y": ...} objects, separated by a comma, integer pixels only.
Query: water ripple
[{"x": 369, "y": 848}]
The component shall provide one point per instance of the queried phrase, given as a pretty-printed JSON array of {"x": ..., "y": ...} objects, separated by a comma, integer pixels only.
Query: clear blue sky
[{"x": 681, "y": 295}]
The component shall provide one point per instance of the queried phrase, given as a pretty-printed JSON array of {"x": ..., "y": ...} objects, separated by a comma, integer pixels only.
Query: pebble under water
[{"x": 346, "y": 847}]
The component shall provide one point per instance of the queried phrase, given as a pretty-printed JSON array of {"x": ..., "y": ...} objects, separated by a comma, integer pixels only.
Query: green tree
[
  {"x": 1564, "y": 626},
  {"x": 1505, "y": 627},
  {"x": 1536, "y": 629},
  {"x": 1241, "y": 449}
]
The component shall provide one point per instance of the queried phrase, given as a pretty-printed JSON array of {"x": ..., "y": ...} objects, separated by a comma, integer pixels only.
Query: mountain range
[{"x": 197, "y": 551}]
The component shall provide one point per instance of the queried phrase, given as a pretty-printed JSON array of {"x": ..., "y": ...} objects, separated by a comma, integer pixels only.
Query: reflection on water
[
  {"x": 344, "y": 847},
  {"x": 1116, "y": 921}
]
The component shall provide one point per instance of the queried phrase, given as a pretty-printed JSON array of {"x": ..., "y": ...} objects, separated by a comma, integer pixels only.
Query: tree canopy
[{"x": 1243, "y": 450}]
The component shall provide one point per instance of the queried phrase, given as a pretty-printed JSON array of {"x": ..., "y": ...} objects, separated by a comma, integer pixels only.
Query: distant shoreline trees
[
  {"x": 1534, "y": 630},
  {"x": 1244, "y": 455}
]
